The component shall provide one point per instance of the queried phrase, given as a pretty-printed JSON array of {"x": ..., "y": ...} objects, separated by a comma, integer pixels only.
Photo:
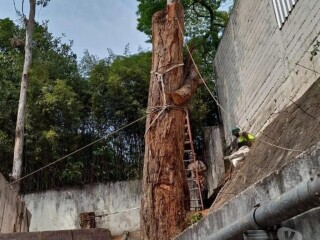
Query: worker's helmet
[{"x": 235, "y": 130}]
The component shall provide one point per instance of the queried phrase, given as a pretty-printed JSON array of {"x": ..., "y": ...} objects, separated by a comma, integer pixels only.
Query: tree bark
[
  {"x": 165, "y": 197},
  {"x": 19, "y": 135}
]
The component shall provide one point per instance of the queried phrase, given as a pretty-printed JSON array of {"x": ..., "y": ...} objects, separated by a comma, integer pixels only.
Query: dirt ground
[{"x": 296, "y": 127}]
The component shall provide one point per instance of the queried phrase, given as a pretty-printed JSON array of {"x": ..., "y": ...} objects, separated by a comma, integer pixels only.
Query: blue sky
[{"x": 95, "y": 25}]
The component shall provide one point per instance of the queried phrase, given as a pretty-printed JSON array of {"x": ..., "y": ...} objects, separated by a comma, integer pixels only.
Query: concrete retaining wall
[
  {"x": 118, "y": 204},
  {"x": 14, "y": 216},
  {"x": 81, "y": 234},
  {"x": 214, "y": 156},
  {"x": 258, "y": 65},
  {"x": 277, "y": 183}
]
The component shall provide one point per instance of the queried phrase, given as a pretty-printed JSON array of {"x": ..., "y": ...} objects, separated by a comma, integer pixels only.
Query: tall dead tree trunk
[
  {"x": 19, "y": 136},
  {"x": 165, "y": 190}
]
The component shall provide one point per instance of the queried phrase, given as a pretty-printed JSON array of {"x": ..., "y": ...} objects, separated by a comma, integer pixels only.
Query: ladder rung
[
  {"x": 197, "y": 205},
  {"x": 187, "y": 151},
  {"x": 187, "y": 142},
  {"x": 193, "y": 189},
  {"x": 187, "y": 160},
  {"x": 194, "y": 199}
]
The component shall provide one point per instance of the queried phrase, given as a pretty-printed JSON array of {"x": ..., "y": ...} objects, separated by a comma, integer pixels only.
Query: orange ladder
[{"x": 196, "y": 202}]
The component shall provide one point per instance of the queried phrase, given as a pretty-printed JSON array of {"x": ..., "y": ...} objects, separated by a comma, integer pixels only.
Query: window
[{"x": 282, "y": 10}]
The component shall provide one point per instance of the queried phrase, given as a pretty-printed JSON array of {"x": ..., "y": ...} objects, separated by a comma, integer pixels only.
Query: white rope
[
  {"x": 159, "y": 76},
  {"x": 165, "y": 106},
  {"x": 223, "y": 110}
]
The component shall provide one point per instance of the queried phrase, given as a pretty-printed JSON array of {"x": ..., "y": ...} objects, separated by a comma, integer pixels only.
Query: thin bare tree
[{"x": 19, "y": 134}]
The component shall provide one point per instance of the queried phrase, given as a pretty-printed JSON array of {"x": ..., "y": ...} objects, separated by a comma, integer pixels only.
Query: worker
[
  {"x": 198, "y": 174},
  {"x": 238, "y": 156},
  {"x": 244, "y": 141},
  {"x": 243, "y": 138}
]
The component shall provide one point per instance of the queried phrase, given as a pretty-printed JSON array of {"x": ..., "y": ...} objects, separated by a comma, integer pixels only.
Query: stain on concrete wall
[{"x": 116, "y": 206}]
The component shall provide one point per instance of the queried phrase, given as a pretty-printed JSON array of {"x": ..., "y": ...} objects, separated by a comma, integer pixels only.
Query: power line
[{"x": 78, "y": 150}]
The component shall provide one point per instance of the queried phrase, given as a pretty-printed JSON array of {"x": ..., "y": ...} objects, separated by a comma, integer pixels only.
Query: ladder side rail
[{"x": 194, "y": 159}]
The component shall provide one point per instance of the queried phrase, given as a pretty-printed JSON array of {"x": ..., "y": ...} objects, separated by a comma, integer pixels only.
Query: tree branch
[{"x": 191, "y": 81}]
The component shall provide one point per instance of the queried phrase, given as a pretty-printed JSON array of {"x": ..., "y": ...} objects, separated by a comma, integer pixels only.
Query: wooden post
[
  {"x": 87, "y": 220},
  {"x": 165, "y": 190}
]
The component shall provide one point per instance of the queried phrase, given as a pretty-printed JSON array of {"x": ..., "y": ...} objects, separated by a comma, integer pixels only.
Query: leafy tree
[
  {"x": 119, "y": 97},
  {"x": 204, "y": 24},
  {"x": 11, "y": 61},
  {"x": 69, "y": 106}
]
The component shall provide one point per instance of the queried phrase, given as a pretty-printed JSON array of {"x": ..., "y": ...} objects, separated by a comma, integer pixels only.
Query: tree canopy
[
  {"x": 204, "y": 24},
  {"x": 73, "y": 102},
  {"x": 69, "y": 105}
]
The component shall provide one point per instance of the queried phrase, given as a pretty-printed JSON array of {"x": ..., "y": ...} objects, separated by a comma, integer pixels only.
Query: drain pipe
[{"x": 290, "y": 204}]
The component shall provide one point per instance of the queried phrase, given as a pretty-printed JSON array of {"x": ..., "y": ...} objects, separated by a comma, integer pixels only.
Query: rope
[
  {"x": 78, "y": 150},
  {"x": 223, "y": 110},
  {"x": 107, "y": 214},
  {"x": 161, "y": 109},
  {"x": 197, "y": 69},
  {"x": 287, "y": 149},
  {"x": 159, "y": 76},
  {"x": 160, "y": 79},
  {"x": 312, "y": 70}
]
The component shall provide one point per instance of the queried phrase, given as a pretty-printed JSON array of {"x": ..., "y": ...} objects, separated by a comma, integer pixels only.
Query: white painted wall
[
  {"x": 256, "y": 62},
  {"x": 119, "y": 202}
]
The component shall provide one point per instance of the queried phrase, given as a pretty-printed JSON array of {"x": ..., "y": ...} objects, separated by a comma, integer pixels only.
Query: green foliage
[
  {"x": 146, "y": 9},
  {"x": 73, "y": 172},
  {"x": 204, "y": 24},
  {"x": 195, "y": 218},
  {"x": 70, "y": 105}
]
